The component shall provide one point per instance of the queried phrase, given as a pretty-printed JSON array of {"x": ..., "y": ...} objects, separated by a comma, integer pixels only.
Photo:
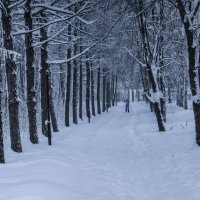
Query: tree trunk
[
  {"x": 185, "y": 94},
  {"x": 138, "y": 95},
  {"x": 68, "y": 87},
  {"x": 156, "y": 103},
  {"x": 177, "y": 96},
  {"x": 88, "y": 90},
  {"x": 11, "y": 69},
  {"x": 192, "y": 68},
  {"x": 98, "y": 90},
  {"x": 92, "y": 93},
  {"x": 163, "y": 97},
  {"x": 158, "y": 116},
  {"x": 51, "y": 105},
  {"x": 62, "y": 84},
  {"x": 2, "y": 159},
  {"x": 133, "y": 97},
  {"x": 81, "y": 91},
  {"x": 151, "y": 107},
  {"x": 75, "y": 83},
  {"x": 163, "y": 91},
  {"x": 107, "y": 93},
  {"x": 163, "y": 108},
  {"x": 181, "y": 98},
  {"x": 75, "y": 90},
  {"x": 52, "y": 109},
  {"x": 116, "y": 82},
  {"x": 44, "y": 71},
  {"x": 22, "y": 75},
  {"x": 104, "y": 91},
  {"x": 169, "y": 95},
  {"x": 156, "y": 106},
  {"x": 150, "y": 61},
  {"x": 30, "y": 73},
  {"x": 113, "y": 90},
  {"x": 162, "y": 79}
]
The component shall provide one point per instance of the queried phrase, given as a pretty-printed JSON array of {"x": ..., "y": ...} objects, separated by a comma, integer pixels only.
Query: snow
[
  {"x": 9, "y": 54},
  {"x": 118, "y": 156}
]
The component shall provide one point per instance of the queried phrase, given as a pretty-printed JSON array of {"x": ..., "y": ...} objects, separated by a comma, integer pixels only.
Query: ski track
[{"x": 118, "y": 156}]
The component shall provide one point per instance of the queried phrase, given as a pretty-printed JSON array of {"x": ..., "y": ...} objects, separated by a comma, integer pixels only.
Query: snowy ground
[{"x": 119, "y": 156}]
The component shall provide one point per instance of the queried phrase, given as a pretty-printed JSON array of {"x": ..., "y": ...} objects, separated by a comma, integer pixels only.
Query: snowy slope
[{"x": 119, "y": 156}]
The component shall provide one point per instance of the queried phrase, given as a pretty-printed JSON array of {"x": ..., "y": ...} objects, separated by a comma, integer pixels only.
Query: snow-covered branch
[
  {"x": 137, "y": 60},
  {"x": 16, "y": 4},
  {"x": 9, "y": 54},
  {"x": 53, "y": 8}
]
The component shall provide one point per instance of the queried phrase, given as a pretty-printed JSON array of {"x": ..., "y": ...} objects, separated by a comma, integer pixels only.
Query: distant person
[{"x": 127, "y": 105}]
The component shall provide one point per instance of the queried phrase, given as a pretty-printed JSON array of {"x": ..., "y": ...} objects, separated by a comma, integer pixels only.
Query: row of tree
[
  {"x": 46, "y": 58},
  {"x": 74, "y": 54},
  {"x": 168, "y": 33}
]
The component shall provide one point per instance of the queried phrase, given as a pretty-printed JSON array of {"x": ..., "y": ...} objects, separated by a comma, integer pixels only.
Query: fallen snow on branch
[{"x": 9, "y": 54}]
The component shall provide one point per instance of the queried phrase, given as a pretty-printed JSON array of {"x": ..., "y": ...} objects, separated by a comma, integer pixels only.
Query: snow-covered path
[{"x": 118, "y": 156}]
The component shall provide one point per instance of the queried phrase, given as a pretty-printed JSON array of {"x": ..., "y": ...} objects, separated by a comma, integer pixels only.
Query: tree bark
[
  {"x": 112, "y": 90},
  {"x": 116, "y": 82},
  {"x": 92, "y": 93},
  {"x": 2, "y": 159},
  {"x": 81, "y": 90},
  {"x": 30, "y": 73},
  {"x": 75, "y": 83},
  {"x": 104, "y": 91},
  {"x": 150, "y": 61},
  {"x": 62, "y": 84},
  {"x": 169, "y": 95},
  {"x": 98, "y": 91},
  {"x": 163, "y": 97},
  {"x": 88, "y": 90},
  {"x": 185, "y": 94},
  {"x": 68, "y": 87},
  {"x": 162, "y": 79},
  {"x": 156, "y": 105},
  {"x": 11, "y": 69},
  {"x": 51, "y": 105},
  {"x": 107, "y": 92},
  {"x": 192, "y": 68},
  {"x": 138, "y": 94},
  {"x": 44, "y": 71},
  {"x": 133, "y": 97}
]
